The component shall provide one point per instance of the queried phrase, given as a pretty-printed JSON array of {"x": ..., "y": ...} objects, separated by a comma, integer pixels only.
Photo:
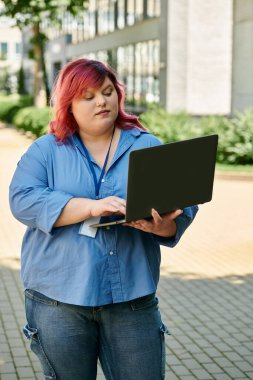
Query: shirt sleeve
[
  {"x": 182, "y": 221},
  {"x": 32, "y": 201}
]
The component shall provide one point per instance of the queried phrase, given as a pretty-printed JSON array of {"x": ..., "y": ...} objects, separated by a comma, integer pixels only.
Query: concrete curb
[{"x": 235, "y": 176}]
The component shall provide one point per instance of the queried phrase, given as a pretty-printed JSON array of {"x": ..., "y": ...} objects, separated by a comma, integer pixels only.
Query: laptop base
[{"x": 120, "y": 221}]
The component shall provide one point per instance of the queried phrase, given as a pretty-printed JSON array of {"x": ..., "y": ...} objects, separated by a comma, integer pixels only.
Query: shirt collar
[{"x": 127, "y": 139}]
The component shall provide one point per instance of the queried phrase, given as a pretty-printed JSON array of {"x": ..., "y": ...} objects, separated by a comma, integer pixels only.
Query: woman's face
[{"x": 96, "y": 111}]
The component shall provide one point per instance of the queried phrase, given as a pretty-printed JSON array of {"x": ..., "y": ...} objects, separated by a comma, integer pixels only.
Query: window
[
  {"x": 130, "y": 12},
  {"x": 153, "y": 8},
  {"x": 3, "y": 50},
  {"x": 121, "y": 14},
  {"x": 111, "y": 16},
  {"x": 138, "y": 10},
  {"x": 93, "y": 22},
  {"x": 18, "y": 48},
  {"x": 56, "y": 69},
  {"x": 138, "y": 69},
  {"x": 102, "y": 17}
]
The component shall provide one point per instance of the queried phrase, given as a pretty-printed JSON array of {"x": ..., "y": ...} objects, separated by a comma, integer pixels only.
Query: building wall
[
  {"x": 242, "y": 78},
  {"x": 199, "y": 56},
  {"x": 12, "y": 61},
  {"x": 177, "y": 54}
]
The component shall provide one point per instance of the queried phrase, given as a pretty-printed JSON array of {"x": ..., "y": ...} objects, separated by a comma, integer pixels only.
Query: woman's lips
[{"x": 102, "y": 113}]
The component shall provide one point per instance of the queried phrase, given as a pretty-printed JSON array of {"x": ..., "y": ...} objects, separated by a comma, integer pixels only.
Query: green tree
[
  {"x": 32, "y": 13},
  {"x": 5, "y": 82},
  {"x": 21, "y": 81}
]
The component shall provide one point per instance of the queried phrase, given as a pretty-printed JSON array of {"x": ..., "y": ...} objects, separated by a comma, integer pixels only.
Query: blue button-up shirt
[{"x": 121, "y": 263}]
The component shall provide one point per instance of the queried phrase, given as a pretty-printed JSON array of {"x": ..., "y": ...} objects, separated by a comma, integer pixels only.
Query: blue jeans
[{"x": 127, "y": 338}]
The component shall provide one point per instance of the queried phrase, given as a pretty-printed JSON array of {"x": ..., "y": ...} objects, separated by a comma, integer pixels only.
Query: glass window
[
  {"x": 99, "y": 55},
  {"x": 130, "y": 12},
  {"x": 3, "y": 50},
  {"x": 103, "y": 16},
  {"x": 91, "y": 28},
  {"x": 18, "y": 48},
  {"x": 138, "y": 69},
  {"x": 73, "y": 29},
  {"x": 157, "y": 7},
  {"x": 153, "y": 8},
  {"x": 121, "y": 14},
  {"x": 56, "y": 69},
  {"x": 111, "y": 16},
  {"x": 138, "y": 10}
]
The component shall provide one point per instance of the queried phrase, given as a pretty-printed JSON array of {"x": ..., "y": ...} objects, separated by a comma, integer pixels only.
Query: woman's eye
[
  {"x": 90, "y": 98},
  {"x": 108, "y": 93}
]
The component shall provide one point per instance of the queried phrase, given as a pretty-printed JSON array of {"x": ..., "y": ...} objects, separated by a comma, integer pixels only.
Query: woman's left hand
[{"x": 164, "y": 226}]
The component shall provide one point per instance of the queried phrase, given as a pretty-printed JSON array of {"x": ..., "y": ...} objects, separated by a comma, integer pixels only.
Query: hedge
[
  {"x": 11, "y": 104},
  {"x": 33, "y": 119},
  {"x": 235, "y": 134}
]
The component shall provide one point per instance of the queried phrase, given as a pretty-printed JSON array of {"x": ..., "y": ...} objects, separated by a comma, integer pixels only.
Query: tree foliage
[
  {"x": 27, "y": 12},
  {"x": 32, "y": 13}
]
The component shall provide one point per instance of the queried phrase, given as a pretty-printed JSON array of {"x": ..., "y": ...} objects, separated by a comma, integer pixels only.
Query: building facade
[
  {"x": 189, "y": 55},
  {"x": 10, "y": 54}
]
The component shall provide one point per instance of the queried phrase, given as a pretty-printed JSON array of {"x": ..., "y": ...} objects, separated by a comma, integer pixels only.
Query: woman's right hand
[{"x": 108, "y": 206}]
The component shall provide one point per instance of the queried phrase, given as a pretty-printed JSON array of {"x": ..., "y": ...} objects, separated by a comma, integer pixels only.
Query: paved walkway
[{"x": 205, "y": 291}]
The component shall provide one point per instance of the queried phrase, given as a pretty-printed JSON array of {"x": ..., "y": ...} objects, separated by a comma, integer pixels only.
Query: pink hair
[{"x": 73, "y": 79}]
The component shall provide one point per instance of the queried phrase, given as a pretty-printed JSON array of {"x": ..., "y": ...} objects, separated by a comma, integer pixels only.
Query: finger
[
  {"x": 157, "y": 218},
  {"x": 144, "y": 225},
  {"x": 140, "y": 221},
  {"x": 116, "y": 203},
  {"x": 176, "y": 213},
  {"x": 119, "y": 200},
  {"x": 139, "y": 227},
  {"x": 116, "y": 208},
  {"x": 173, "y": 214}
]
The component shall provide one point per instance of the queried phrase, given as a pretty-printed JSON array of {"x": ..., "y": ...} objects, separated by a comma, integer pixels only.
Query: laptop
[{"x": 169, "y": 177}]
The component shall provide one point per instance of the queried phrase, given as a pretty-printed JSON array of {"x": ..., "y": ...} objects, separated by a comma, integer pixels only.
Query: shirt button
[
  {"x": 111, "y": 253},
  {"x": 103, "y": 180},
  {"x": 108, "y": 227}
]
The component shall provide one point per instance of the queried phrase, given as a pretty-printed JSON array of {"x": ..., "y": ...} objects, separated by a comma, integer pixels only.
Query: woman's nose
[{"x": 100, "y": 101}]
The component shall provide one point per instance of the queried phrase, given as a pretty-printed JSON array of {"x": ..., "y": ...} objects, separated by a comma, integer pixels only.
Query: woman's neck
[{"x": 93, "y": 138}]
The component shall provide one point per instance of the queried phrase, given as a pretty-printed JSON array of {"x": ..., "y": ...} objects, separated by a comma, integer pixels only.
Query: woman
[{"x": 90, "y": 296}]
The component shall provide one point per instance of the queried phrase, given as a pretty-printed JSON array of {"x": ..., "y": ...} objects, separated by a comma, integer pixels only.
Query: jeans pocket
[
  {"x": 163, "y": 330},
  {"x": 36, "y": 346},
  {"x": 39, "y": 297},
  {"x": 144, "y": 302}
]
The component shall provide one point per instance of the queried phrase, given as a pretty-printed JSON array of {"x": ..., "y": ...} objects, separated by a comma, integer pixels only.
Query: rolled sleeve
[
  {"x": 183, "y": 221},
  {"x": 51, "y": 209},
  {"x": 32, "y": 202}
]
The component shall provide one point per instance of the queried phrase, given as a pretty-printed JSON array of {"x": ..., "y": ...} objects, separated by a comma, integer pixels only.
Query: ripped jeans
[{"x": 127, "y": 338}]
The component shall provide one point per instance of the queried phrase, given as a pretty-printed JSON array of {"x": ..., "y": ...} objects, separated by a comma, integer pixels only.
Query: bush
[
  {"x": 240, "y": 150},
  {"x": 235, "y": 134},
  {"x": 33, "y": 119},
  {"x": 10, "y": 105},
  {"x": 169, "y": 127}
]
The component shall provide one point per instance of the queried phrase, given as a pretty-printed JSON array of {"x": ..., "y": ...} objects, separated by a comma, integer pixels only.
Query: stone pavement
[{"x": 205, "y": 290}]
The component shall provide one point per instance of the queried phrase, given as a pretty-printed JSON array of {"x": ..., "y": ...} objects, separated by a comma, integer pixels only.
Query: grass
[{"x": 235, "y": 168}]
